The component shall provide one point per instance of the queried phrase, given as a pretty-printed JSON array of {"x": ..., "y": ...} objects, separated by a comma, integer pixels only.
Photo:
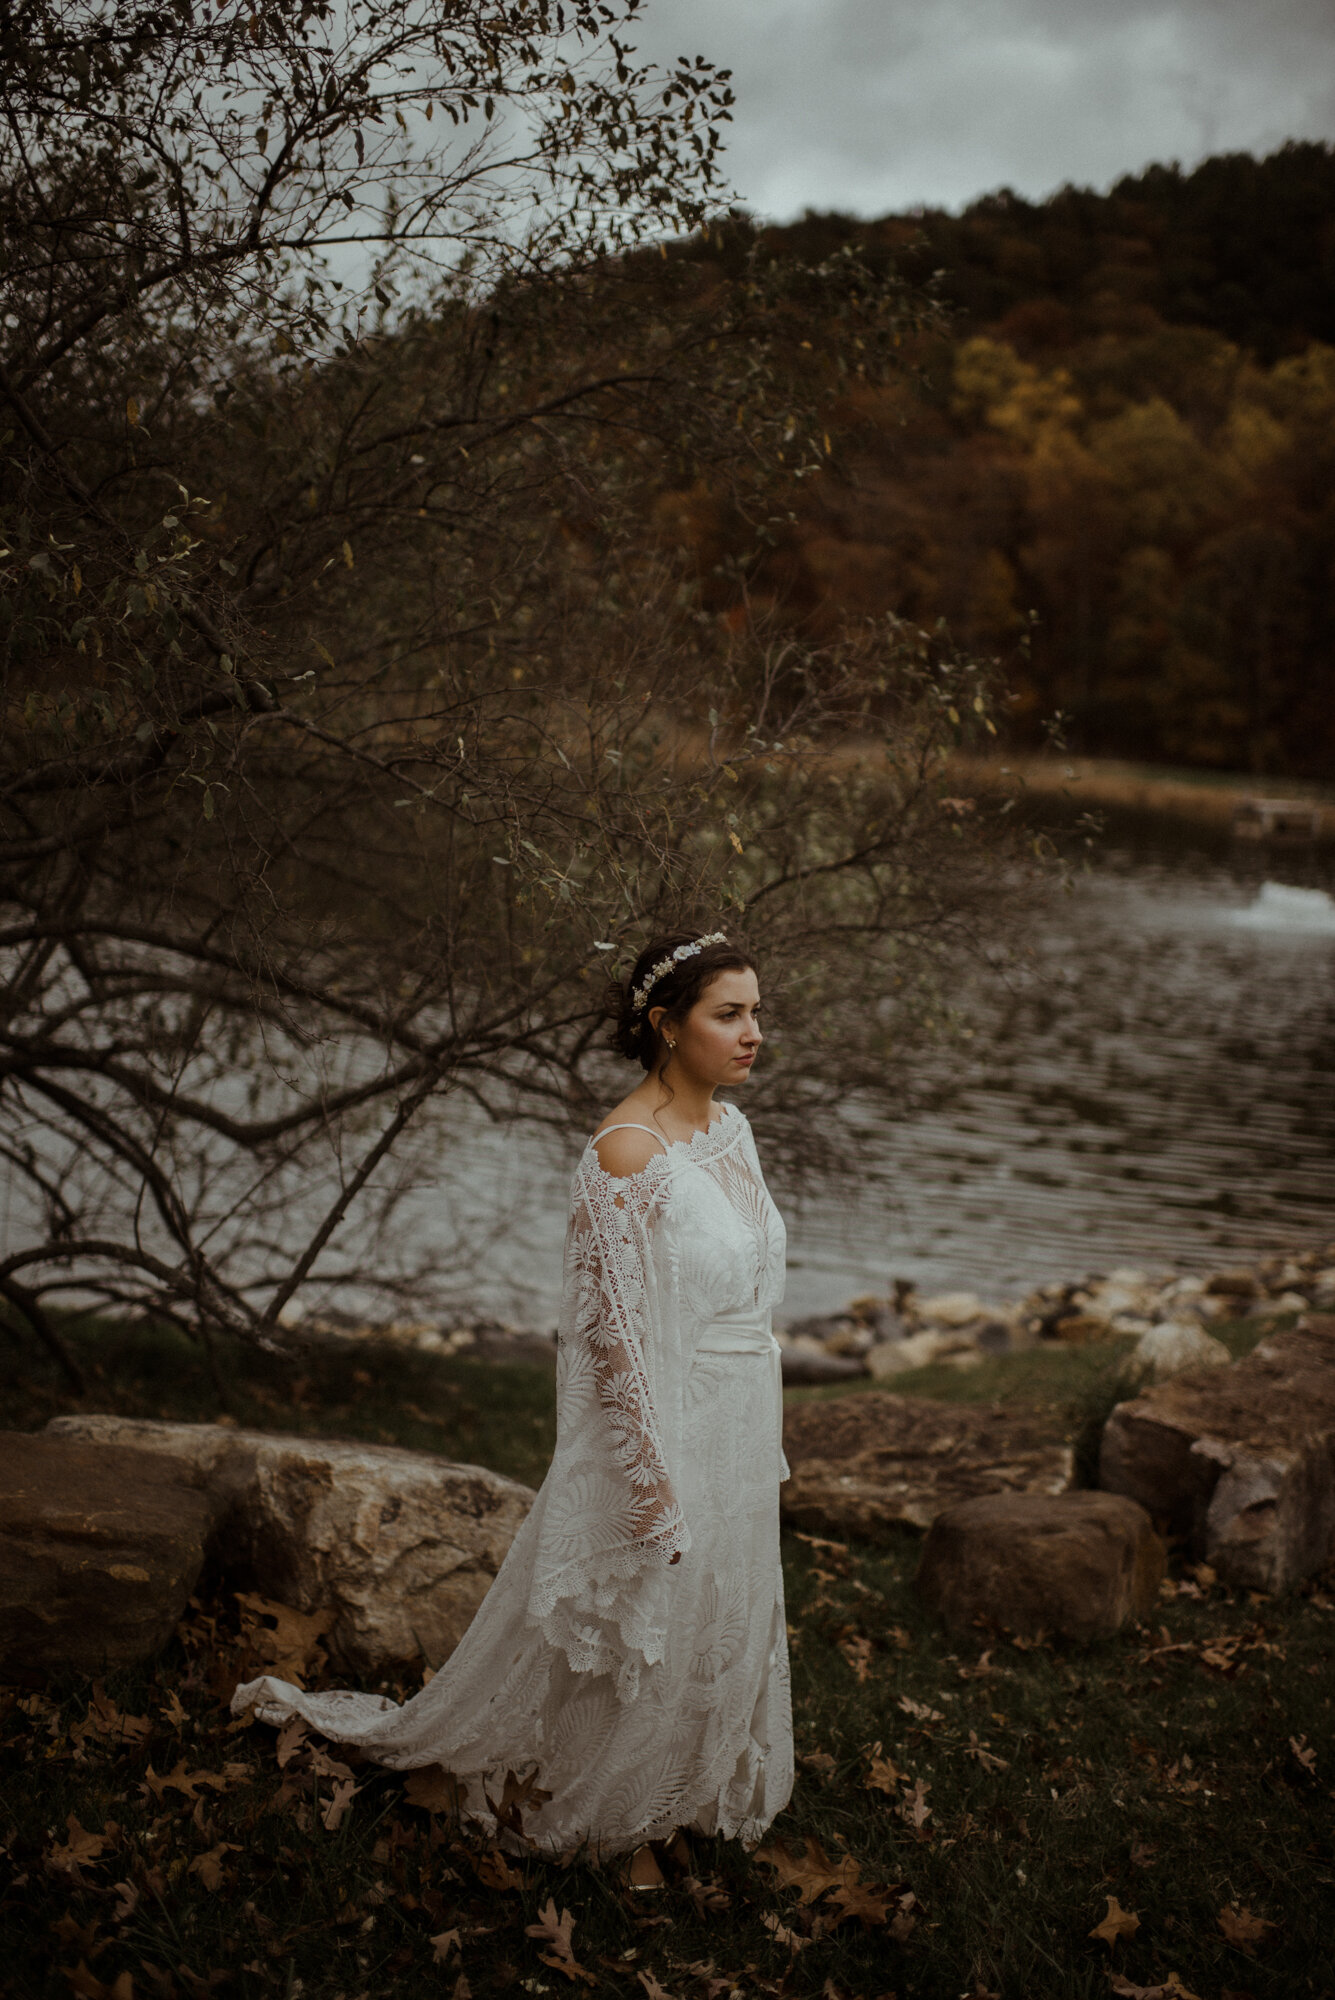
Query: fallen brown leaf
[
  {"x": 291, "y": 1738},
  {"x": 173, "y": 1712},
  {"x": 863, "y": 1901},
  {"x": 1171, "y": 1989},
  {"x": 291, "y": 1645},
  {"x": 857, "y": 1650},
  {"x": 495, "y": 1872},
  {"x": 1118, "y": 1923},
  {"x": 187, "y": 1783},
  {"x": 557, "y": 1929},
  {"x": 345, "y": 1791},
  {"x": 89, "y": 1987},
  {"x": 808, "y": 1870},
  {"x": 104, "y": 1717},
  {"x": 434, "y": 1789},
  {"x": 652, "y": 1987},
  {"x": 710, "y": 1898},
  {"x": 919, "y": 1710},
  {"x": 1304, "y": 1753},
  {"x": 444, "y": 1945},
  {"x": 127, "y": 1901},
  {"x": 916, "y": 1810},
  {"x": 516, "y": 1794},
  {"x": 1240, "y": 1927},
  {"x": 79, "y": 1850},
  {"x": 883, "y": 1774},
  {"x": 982, "y": 1755},
  {"x": 209, "y": 1867},
  {"x": 782, "y": 1933},
  {"x": 835, "y": 1552}
]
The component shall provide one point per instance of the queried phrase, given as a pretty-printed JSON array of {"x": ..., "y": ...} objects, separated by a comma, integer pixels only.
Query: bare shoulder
[{"x": 627, "y": 1151}]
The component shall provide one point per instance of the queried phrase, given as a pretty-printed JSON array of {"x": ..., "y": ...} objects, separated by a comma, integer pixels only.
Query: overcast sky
[{"x": 876, "y": 105}]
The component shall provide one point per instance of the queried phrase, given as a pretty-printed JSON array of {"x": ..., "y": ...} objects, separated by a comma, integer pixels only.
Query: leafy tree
[{"x": 356, "y": 718}]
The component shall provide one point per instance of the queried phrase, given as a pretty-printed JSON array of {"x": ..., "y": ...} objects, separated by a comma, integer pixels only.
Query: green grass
[
  {"x": 497, "y": 1414},
  {"x": 1159, "y": 1768}
]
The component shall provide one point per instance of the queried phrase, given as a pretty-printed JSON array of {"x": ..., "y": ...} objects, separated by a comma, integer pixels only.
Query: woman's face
[{"x": 718, "y": 1039}]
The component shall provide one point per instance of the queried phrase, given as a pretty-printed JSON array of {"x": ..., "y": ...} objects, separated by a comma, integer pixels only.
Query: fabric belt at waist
[{"x": 738, "y": 1333}]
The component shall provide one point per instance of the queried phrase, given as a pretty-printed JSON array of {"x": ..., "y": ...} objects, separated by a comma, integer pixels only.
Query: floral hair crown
[{"x": 640, "y": 997}]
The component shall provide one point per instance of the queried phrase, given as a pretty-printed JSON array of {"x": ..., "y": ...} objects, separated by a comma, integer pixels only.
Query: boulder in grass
[
  {"x": 1077, "y": 1564},
  {"x": 399, "y": 1547},
  {"x": 867, "y": 1465},
  {"x": 100, "y": 1549},
  {"x": 1175, "y": 1347},
  {"x": 1240, "y": 1461}
]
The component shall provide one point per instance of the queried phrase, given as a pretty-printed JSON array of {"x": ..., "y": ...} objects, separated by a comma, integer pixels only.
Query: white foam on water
[{"x": 1280, "y": 907}]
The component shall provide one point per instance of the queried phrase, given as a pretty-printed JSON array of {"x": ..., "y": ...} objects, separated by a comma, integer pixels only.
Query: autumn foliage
[{"x": 1114, "y": 471}]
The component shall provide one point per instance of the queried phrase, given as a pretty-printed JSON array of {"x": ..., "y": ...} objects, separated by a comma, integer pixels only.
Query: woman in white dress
[{"x": 631, "y": 1655}]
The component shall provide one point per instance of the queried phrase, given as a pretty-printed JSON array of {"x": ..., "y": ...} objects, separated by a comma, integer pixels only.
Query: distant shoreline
[{"x": 1199, "y": 798}]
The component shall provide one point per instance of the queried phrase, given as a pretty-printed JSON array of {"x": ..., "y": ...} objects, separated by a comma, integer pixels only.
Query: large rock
[
  {"x": 865, "y": 1465},
  {"x": 1175, "y": 1347},
  {"x": 1239, "y": 1460},
  {"x": 399, "y": 1546},
  {"x": 1080, "y": 1564},
  {"x": 100, "y": 1548}
]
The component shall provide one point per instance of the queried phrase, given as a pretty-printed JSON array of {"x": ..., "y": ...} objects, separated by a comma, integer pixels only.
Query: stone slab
[
  {"x": 100, "y": 1548},
  {"x": 1239, "y": 1461},
  {"x": 399, "y": 1545}
]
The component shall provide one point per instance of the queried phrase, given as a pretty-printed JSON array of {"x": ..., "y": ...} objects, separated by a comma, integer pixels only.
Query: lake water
[{"x": 1158, "y": 1090}]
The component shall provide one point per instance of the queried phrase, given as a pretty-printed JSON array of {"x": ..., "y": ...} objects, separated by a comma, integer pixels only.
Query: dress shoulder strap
[{"x": 629, "y": 1125}]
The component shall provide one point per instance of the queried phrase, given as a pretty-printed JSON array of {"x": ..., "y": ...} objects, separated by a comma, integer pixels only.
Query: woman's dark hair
[{"x": 677, "y": 990}]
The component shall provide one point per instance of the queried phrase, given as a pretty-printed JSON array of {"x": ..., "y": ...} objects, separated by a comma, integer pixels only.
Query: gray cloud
[{"x": 875, "y": 105}]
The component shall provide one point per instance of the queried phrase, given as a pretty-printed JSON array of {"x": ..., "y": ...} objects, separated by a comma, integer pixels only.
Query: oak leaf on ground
[
  {"x": 883, "y": 1774},
  {"x": 494, "y": 1872},
  {"x": 187, "y": 1783},
  {"x": 291, "y": 1645},
  {"x": 652, "y": 1987},
  {"x": 434, "y": 1789},
  {"x": 79, "y": 1850},
  {"x": 857, "y": 1651},
  {"x": 209, "y": 1867},
  {"x": 919, "y": 1710},
  {"x": 709, "y": 1897},
  {"x": 1240, "y": 1927},
  {"x": 1170, "y": 1989},
  {"x": 556, "y": 1929},
  {"x": 916, "y": 1810},
  {"x": 982, "y": 1755},
  {"x": 809, "y": 1869},
  {"x": 782, "y": 1933},
  {"x": 859, "y": 1899},
  {"x": 345, "y": 1791},
  {"x": 88, "y": 1986},
  {"x": 1118, "y": 1923}
]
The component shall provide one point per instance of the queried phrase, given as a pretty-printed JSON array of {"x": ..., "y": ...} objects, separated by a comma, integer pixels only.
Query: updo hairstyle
[{"x": 677, "y": 990}]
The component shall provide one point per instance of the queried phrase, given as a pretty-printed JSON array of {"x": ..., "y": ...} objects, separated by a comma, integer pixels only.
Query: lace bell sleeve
[
  {"x": 608, "y": 1521},
  {"x": 611, "y": 1307}
]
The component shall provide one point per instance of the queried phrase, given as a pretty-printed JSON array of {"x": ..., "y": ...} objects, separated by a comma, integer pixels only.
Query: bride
[{"x": 631, "y": 1655}]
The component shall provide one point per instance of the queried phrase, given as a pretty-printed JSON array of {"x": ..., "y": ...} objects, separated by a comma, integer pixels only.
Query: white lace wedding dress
[{"x": 646, "y": 1695}]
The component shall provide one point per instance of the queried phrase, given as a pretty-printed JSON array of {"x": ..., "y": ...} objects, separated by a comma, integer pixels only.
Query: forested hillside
[{"x": 1126, "y": 429}]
